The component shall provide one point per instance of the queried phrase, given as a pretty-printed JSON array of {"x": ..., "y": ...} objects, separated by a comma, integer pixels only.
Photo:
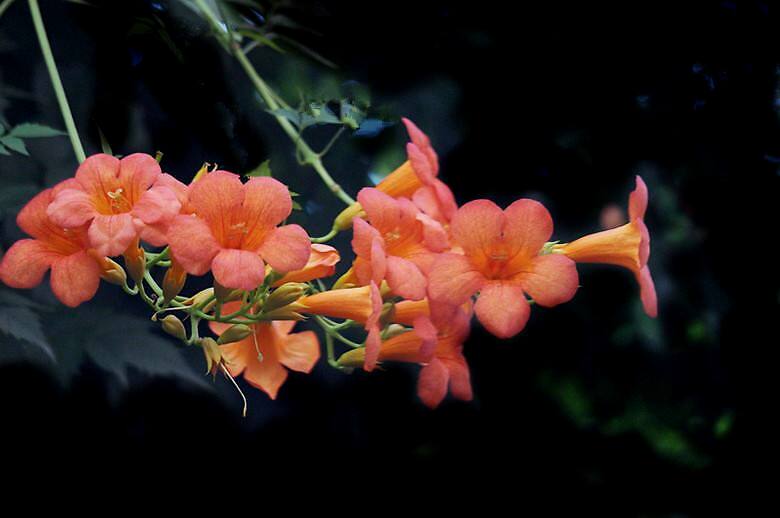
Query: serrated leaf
[
  {"x": 31, "y": 130},
  {"x": 15, "y": 144},
  {"x": 4, "y": 151},
  {"x": 322, "y": 114},
  {"x": 264, "y": 169},
  {"x": 24, "y": 324}
]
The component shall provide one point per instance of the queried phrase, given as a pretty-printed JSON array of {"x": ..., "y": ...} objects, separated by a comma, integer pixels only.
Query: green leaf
[
  {"x": 351, "y": 115},
  {"x": 24, "y": 324},
  {"x": 4, "y": 151},
  {"x": 30, "y": 130},
  {"x": 262, "y": 39},
  {"x": 15, "y": 144},
  {"x": 296, "y": 205},
  {"x": 263, "y": 169}
]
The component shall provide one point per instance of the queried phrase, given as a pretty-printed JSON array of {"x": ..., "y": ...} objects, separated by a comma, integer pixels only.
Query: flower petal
[
  {"x": 434, "y": 236},
  {"x": 647, "y": 292},
  {"x": 267, "y": 375},
  {"x": 363, "y": 236},
  {"x": 71, "y": 208},
  {"x": 432, "y": 383},
  {"x": 373, "y": 347},
  {"x": 460, "y": 379},
  {"x": 216, "y": 198},
  {"x": 423, "y": 143},
  {"x": 552, "y": 279},
  {"x": 192, "y": 244},
  {"x": 476, "y": 227},
  {"x": 137, "y": 172},
  {"x": 405, "y": 279},
  {"x": 267, "y": 203},
  {"x": 98, "y": 175},
  {"x": 158, "y": 204},
  {"x": 528, "y": 227},
  {"x": 378, "y": 263},
  {"x": 381, "y": 210},
  {"x": 502, "y": 308},
  {"x": 238, "y": 269},
  {"x": 424, "y": 328},
  {"x": 300, "y": 351},
  {"x": 286, "y": 248},
  {"x": 637, "y": 200},
  {"x": 111, "y": 235},
  {"x": 75, "y": 278},
  {"x": 25, "y": 263},
  {"x": 453, "y": 279}
]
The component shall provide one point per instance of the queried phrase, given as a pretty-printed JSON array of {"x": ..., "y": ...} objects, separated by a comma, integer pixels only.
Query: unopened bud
[
  {"x": 112, "y": 272},
  {"x": 224, "y": 294},
  {"x": 212, "y": 354},
  {"x": 173, "y": 326},
  {"x": 388, "y": 314},
  {"x": 203, "y": 171},
  {"x": 348, "y": 280},
  {"x": 200, "y": 298},
  {"x": 234, "y": 333},
  {"x": 284, "y": 295},
  {"x": 135, "y": 262},
  {"x": 354, "y": 358},
  {"x": 288, "y": 312},
  {"x": 173, "y": 281},
  {"x": 394, "y": 330},
  {"x": 344, "y": 220}
]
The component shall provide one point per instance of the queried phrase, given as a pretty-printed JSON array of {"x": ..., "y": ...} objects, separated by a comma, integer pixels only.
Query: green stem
[
  {"x": 56, "y": 82},
  {"x": 5, "y": 4},
  {"x": 327, "y": 237},
  {"x": 269, "y": 96}
]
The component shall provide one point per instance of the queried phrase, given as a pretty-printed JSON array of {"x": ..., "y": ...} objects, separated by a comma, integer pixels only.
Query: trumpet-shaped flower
[
  {"x": 627, "y": 246},
  {"x": 396, "y": 246},
  {"x": 362, "y": 305},
  {"x": 268, "y": 352},
  {"x": 502, "y": 261},
  {"x": 119, "y": 200},
  {"x": 444, "y": 366},
  {"x": 415, "y": 179},
  {"x": 75, "y": 269},
  {"x": 233, "y": 231},
  {"x": 322, "y": 263}
]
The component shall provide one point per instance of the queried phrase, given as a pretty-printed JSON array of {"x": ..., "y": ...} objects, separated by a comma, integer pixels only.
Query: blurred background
[{"x": 561, "y": 102}]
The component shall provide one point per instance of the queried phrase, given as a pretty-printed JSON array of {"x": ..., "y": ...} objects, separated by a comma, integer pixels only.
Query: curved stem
[
  {"x": 327, "y": 237},
  {"x": 5, "y": 4},
  {"x": 56, "y": 82},
  {"x": 270, "y": 97}
]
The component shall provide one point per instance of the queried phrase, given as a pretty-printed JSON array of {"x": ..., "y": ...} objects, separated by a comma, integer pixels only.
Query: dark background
[{"x": 565, "y": 103}]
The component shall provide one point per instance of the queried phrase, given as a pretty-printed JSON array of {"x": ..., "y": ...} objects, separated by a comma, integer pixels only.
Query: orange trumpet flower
[{"x": 627, "y": 246}]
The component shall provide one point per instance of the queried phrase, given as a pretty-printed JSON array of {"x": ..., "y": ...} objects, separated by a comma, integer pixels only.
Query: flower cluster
[{"x": 423, "y": 266}]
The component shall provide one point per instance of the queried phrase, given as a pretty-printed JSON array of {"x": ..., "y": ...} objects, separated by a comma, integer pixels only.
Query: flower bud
[
  {"x": 174, "y": 327},
  {"x": 135, "y": 262},
  {"x": 348, "y": 280},
  {"x": 284, "y": 295},
  {"x": 212, "y": 354},
  {"x": 112, "y": 272},
  {"x": 344, "y": 220},
  {"x": 224, "y": 294},
  {"x": 203, "y": 171},
  {"x": 173, "y": 282},
  {"x": 234, "y": 333},
  {"x": 200, "y": 298},
  {"x": 288, "y": 312},
  {"x": 387, "y": 315}
]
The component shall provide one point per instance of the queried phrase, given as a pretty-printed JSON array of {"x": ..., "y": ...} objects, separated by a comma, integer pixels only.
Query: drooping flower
[
  {"x": 396, "y": 246},
  {"x": 444, "y": 366},
  {"x": 119, "y": 200},
  {"x": 627, "y": 246},
  {"x": 502, "y": 260},
  {"x": 233, "y": 231},
  {"x": 75, "y": 268},
  {"x": 415, "y": 179},
  {"x": 362, "y": 305},
  {"x": 322, "y": 263},
  {"x": 268, "y": 352}
]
